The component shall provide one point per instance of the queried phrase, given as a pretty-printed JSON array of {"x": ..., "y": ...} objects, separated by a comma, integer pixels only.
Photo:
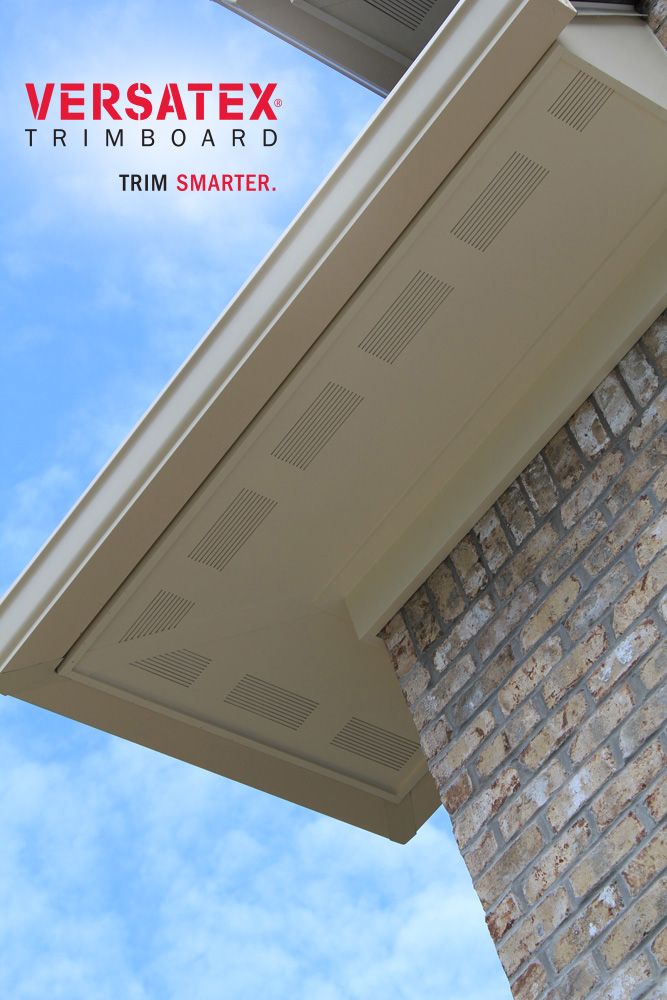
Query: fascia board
[{"x": 450, "y": 94}]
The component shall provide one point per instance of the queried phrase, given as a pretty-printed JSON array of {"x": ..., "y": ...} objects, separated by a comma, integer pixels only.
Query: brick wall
[
  {"x": 534, "y": 661},
  {"x": 656, "y": 14}
]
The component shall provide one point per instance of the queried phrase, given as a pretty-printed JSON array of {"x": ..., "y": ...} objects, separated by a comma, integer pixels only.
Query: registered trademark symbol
[{"x": 278, "y": 103}]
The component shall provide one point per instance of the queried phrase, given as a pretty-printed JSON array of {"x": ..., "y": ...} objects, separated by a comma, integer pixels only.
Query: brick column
[
  {"x": 534, "y": 662},
  {"x": 656, "y": 15}
]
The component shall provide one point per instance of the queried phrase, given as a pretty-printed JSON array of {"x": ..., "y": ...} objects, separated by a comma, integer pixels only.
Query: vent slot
[
  {"x": 499, "y": 202},
  {"x": 409, "y": 13},
  {"x": 182, "y": 667},
  {"x": 165, "y": 612},
  {"x": 269, "y": 701},
  {"x": 405, "y": 317},
  {"x": 316, "y": 427},
  {"x": 376, "y": 744},
  {"x": 231, "y": 531},
  {"x": 581, "y": 100}
]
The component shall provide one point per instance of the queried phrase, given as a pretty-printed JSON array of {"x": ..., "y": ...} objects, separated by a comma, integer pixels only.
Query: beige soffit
[
  {"x": 371, "y": 41},
  {"x": 207, "y": 595}
]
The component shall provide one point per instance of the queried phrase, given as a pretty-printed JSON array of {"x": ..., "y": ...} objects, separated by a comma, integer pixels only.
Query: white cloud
[{"x": 136, "y": 876}]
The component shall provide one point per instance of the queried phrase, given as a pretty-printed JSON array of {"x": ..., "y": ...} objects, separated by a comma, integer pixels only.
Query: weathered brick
[
  {"x": 649, "y": 862},
  {"x": 435, "y": 738},
  {"x": 574, "y": 666},
  {"x": 493, "y": 540},
  {"x": 564, "y": 460},
  {"x": 434, "y": 701},
  {"x": 637, "y": 475},
  {"x": 639, "y": 376},
  {"x": 605, "y": 854},
  {"x": 653, "y": 669},
  {"x": 526, "y": 560},
  {"x": 556, "y": 859},
  {"x": 399, "y": 645},
  {"x": 485, "y": 805},
  {"x": 635, "y": 602},
  {"x": 597, "y": 915},
  {"x": 628, "y": 981},
  {"x": 498, "y": 747},
  {"x": 415, "y": 683},
  {"x": 555, "y": 731},
  {"x": 614, "y": 541},
  {"x": 622, "y": 657},
  {"x": 656, "y": 800},
  {"x": 478, "y": 855},
  {"x": 539, "y": 486},
  {"x": 531, "y": 798},
  {"x": 590, "y": 488},
  {"x": 526, "y": 678},
  {"x": 635, "y": 924},
  {"x": 626, "y": 786},
  {"x": 420, "y": 617},
  {"x": 651, "y": 422},
  {"x": 612, "y": 399},
  {"x": 511, "y": 863},
  {"x": 597, "y": 727},
  {"x": 468, "y": 565},
  {"x": 531, "y": 983},
  {"x": 598, "y": 600},
  {"x": 448, "y": 600},
  {"x": 518, "y": 515},
  {"x": 654, "y": 340},
  {"x": 651, "y": 716},
  {"x": 468, "y": 626},
  {"x": 503, "y": 917},
  {"x": 486, "y": 681},
  {"x": 506, "y": 620},
  {"x": 574, "y": 543},
  {"x": 660, "y": 486},
  {"x": 577, "y": 983},
  {"x": 652, "y": 541},
  {"x": 659, "y": 947},
  {"x": 589, "y": 433},
  {"x": 458, "y": 793},
  {"x": 551, "y": 611},
  {"x": 580, "y": 788},
  {"x": 533, "y": 930},
  {"x": 460, "y": 748}
]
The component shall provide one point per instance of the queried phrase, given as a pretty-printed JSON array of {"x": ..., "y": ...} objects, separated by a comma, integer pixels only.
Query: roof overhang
[
  {"x": 483, "y": 254},
  {"x": 371, "y": 41}
]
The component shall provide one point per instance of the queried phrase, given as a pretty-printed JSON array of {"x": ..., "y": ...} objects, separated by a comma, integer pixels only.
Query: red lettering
[
  {"x": 108, "y": 103},
  {"x": 200, "y": 90},
  {"x": 40, "y": 108},
  {"x": 67, "y": 102},
  {"x": 171, "y": 103},
  {"x": 134, "y": 97},
  {"x": 181, "y": 182},
  {"x": 263, "y": 98},
  {"x": 225, "y": 101}
]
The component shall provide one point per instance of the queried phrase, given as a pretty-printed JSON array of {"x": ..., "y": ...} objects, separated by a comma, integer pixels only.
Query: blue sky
[{"x": 124, "y": 873}]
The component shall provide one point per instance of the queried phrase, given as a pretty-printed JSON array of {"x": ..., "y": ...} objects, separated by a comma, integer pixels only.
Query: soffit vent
[
  {"x": 182, "y": 667},
  {"x": 232, "y": 530},
  {"x": 269, "y": 701},
  {"x": 405, "y": 317},
  {"x": 409, "y": 13},
  {"x": 315, "y": 428},
  {"x": 165, "y": 612},
  {"x": 581, "y": 100},
  {"x": 376, "y": 744},
  {"x": 499, "y": 202}
]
